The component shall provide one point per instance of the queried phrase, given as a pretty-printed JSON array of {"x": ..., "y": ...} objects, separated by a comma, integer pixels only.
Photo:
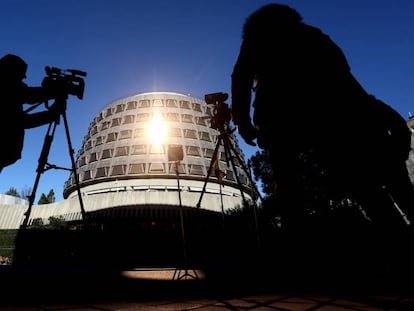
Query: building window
[
  {"x": 99, "y": 117},
  {"x": 94, "y": 130},
  {"x": 99, "y": 140},
  {"x": 106, "y": 154},
  {"x": 184, "y": 104},
  {"x": 196, "y": 169},
  {"x": 208, "y": 153},
  {"x": 88, "y": 145},
  {"x": 121, "y": 151},
  {"x": 144, "y": 103},
  {"x": 109, "y": 112},
  {"x": 243, "y": 179},
  {"x": 111, "y": 137},
  {"x": 118, "y": 170},
  {"x": 125, "y": 134},
  {"x": 190, "y": 134},
  {"x": 201, "y": 121},
  {"x": 187, "y": 118},
  {"x": 92, "y": 157},
  {"x": 141, "y": 117},
  {"x": 131, "y": 105},
  {"x": 204, "y": 136},
  {"x": 156, "y": 149},
  {"x": 139, "y": 149},
  {"x": 156, "y": 168},
  {"x": 129, "y": 119},
  {"x": 101, "y": 172},
  {"x": 193, "y": 151},
  {"x": 86, "y": 175},
  {"x": 158, "y": 103},
  {"x": 139, "y": 132},
  {"x": 196, "y": 107},
  {"x": 120, "y": 108},
  {"x": 105, "y": 125},
  {"x": 172, "y": 103},
  {"x": 172, "y": 168},
  {"x": 172, "y": 117},
  {"x": 116, "y": 122},
  {"x": 82, "y": 161},
  {"x": 230, "y": 175},
  {"x": 136, "y": 168},
  {"x": 174, "y": 132}
]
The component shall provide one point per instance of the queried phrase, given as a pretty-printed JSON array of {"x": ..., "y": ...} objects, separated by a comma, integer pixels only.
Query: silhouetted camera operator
[
  {"x": 308, "y": 104},
  {"x": 14, "y": 94}
]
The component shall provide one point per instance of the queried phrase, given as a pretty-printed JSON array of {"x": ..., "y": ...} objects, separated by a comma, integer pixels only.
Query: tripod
[
  {"x": 230, "y": 154},
  {"x": 43, "y": 164}
]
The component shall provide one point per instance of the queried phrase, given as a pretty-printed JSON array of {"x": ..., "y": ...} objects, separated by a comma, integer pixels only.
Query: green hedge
[{"x": 7, "y": 242}]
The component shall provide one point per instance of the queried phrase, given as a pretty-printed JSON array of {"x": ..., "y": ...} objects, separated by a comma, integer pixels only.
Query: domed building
[{"x": 131, "y": 147}]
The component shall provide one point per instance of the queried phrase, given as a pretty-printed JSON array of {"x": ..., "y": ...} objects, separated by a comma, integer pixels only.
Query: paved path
[{"x": 54, "y": 289}]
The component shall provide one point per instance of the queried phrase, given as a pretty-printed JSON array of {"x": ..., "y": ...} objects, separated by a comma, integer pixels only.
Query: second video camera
[
  {"x": 64, "y": 82},
  {"x": 221, "y": 114}
]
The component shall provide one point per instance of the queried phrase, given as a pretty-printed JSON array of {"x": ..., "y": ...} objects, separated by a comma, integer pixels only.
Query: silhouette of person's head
[
  {"x": 12, "y": 68},
  {"x": 271, "y": 17}
]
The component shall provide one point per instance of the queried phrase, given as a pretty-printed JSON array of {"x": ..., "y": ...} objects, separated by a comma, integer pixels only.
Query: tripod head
[{"x": 220, "y": 114}]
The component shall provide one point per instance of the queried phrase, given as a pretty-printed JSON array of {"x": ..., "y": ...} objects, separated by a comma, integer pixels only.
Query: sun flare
[{"x": 157, "y": 129}]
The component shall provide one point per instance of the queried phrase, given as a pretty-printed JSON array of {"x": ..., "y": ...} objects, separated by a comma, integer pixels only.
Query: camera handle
[{"x": 43, "y": 164}]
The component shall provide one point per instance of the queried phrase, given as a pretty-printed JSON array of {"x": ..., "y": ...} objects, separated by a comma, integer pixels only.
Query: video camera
[
  {"x": 221, "y": 114},
  {"x": 64, "y": 82}
]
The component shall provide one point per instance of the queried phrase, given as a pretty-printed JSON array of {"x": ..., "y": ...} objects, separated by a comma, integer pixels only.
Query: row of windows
[
  {"x": 152, "y": 168},
  {"x": 143, "y": 149},
  {"x": 146, "y": 103},
  {"x": 142, "y": 168},
  {"x": 141, "y": 133},
  {"x": 145, "y": 117}
]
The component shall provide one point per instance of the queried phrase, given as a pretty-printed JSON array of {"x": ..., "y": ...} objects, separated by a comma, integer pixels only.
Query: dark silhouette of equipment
[
  {"x": 63, "y": 83},
  {"x": 220, "y": 120},
  {"x": 175, "y": 154}
]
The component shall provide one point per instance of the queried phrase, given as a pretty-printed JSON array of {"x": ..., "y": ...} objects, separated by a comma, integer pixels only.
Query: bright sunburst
[{"x": 157, "y": 129}]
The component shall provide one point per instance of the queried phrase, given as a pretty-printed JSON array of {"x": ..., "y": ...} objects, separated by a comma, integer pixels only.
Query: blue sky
[{"x": 131, "y": 46}]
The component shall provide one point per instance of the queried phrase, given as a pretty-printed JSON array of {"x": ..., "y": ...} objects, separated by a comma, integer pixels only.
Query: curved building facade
[
  {"x": 133, "y": 143},
  {"x": 120, "y": 152}
]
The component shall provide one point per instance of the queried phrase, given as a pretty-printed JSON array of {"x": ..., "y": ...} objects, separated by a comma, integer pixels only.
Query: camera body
[
  {"x": 221, "y": 114},
  {"x": 64, "y": 82}
]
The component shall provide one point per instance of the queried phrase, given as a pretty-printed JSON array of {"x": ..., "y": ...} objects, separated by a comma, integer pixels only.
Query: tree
[
  {"x": 57, "y": 223},
  {"x": 262, "y": 171},
  {"x": 25, "y": 192},
  {"x": 13, "y": 192},
  {"x": 51, "y": 196},
  {"x": 46, "y": 199},
  {"x": 43, "y": 199}
]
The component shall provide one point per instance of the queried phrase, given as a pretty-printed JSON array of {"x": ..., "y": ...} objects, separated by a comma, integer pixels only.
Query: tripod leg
[
  {"x": 247, "y": 171},
  {"x": 230, "y": 151},
  {"x": 40, "y": 169},
  {"x": 213, "y": 159},
  {"x": 183, "y": 236},
  {"x": 74, "y": 171},
  {"x": 396, "y": 206}
]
